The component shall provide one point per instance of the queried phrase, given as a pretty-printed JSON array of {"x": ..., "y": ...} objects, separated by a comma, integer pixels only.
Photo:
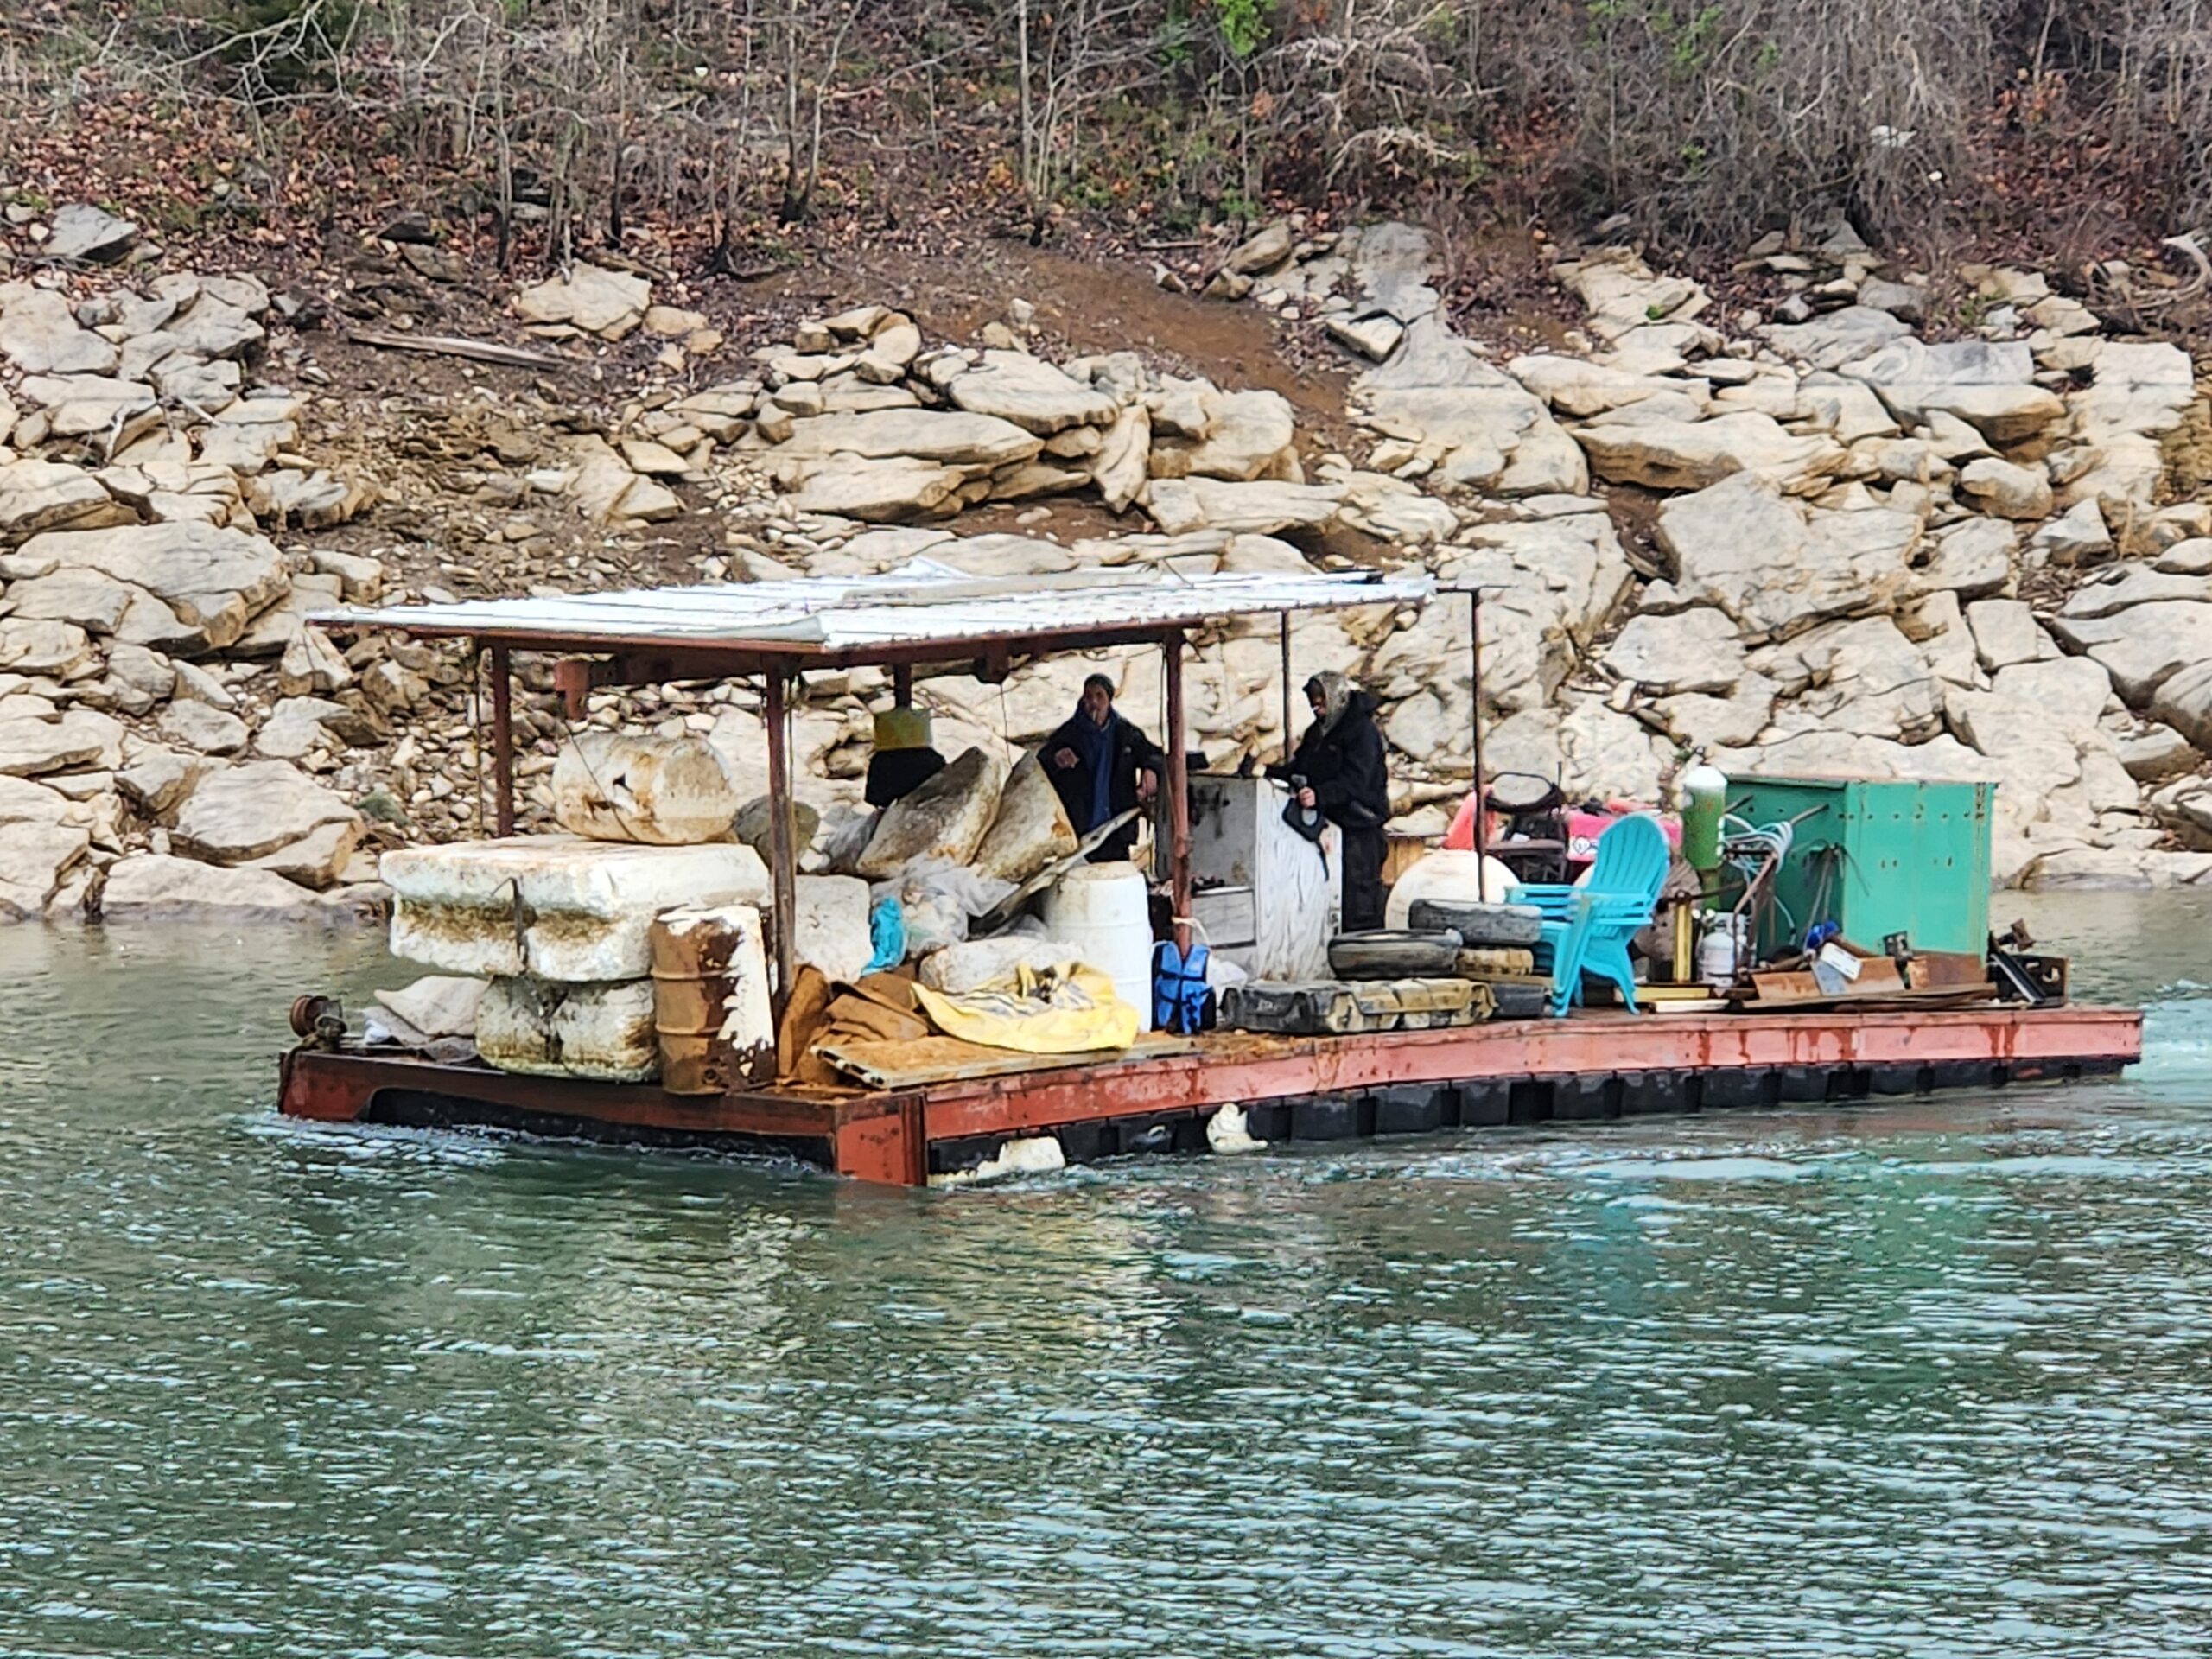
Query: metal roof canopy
[{"x": 922, "y": 611}]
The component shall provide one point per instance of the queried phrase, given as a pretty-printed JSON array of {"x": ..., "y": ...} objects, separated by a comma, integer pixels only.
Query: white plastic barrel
[
  {"x": 1457, "y": 876},
  {"x": 1103, "y": 913}
]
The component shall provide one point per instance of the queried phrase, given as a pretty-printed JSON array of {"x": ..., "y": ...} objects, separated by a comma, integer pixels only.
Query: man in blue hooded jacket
[{"x": 1102, "y": 765}]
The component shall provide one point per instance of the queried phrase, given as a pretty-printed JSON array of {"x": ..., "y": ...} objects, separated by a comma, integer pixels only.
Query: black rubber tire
[
  {"x": 1520, "y": 998},
  {"x": 1479, "y": 926},
  {"x": 1393, "y": 953},
  {"x": 1495, "y": 961}
]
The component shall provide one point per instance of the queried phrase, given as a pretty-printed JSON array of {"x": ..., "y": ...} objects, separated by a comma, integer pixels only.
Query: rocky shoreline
[{"x": 1808, "y": 539}]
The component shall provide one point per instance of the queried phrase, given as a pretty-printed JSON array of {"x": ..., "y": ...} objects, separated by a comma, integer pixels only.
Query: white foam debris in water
[{"x": 1228, "y": 1132}]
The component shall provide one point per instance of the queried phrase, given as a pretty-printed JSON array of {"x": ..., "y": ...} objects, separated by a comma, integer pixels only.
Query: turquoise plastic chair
[{"x": 1587, "y": 928}]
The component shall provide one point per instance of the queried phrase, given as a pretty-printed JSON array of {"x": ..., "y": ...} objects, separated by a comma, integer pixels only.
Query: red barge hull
[{"x": 1592, "y": 1066}]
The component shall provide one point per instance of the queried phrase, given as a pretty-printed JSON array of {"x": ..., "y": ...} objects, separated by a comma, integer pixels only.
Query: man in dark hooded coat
[
  {"x": 1101, "y": 764},
  {"x": 1340, "y": 758}
]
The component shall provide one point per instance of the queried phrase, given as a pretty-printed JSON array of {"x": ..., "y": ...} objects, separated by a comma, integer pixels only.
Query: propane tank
[
  {"x": 1705, "y": 797},
  {"x": 1721, "y": 948}
]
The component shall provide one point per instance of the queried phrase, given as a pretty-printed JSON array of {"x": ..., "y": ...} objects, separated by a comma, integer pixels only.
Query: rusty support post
[
  {"x": 1475, "y": 714},
  {"x": 503, "y": 742},
  {"x": 781, "y": 860},
  {"x": 1179, "y": 793},
  {"x": 902, "y": 685},
  {"x": 1289, "y": 742}
]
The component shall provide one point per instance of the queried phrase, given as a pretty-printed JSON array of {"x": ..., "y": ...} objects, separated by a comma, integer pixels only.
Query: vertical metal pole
[
  {"x": 503, "y": 743},
  {"x": 1289, "y": 742},
  {"x": 1475, "y": 711},
  {"x": 1179, "y": 793},
  {"x": 782, "y": 860},
  {"x": 902, "y": 685}
]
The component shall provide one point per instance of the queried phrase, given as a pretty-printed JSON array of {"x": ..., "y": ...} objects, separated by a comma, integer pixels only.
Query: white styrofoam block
[
  {"x": 587, "y": 907},
  {"x": 600, "y": 1031},
  {"x": 574, "y": 877}
]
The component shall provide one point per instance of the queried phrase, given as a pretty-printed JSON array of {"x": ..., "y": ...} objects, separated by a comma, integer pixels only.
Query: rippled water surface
[{"x": 1930, "y": 1378}]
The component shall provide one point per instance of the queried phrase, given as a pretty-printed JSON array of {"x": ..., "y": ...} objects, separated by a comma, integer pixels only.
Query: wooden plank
[
  {"x": 949, "y": 1059},
  {"x": 476, "y": 351}
]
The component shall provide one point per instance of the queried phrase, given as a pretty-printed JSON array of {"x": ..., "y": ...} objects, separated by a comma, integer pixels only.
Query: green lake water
[{"x": 1929, "y": 1377}]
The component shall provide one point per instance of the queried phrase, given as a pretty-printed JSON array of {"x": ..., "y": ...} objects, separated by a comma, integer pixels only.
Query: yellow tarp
[{"x": 1066, "y": 1010}]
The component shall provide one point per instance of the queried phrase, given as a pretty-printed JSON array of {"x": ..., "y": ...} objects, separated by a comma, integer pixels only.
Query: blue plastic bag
[{"x": 887, "y": 931}]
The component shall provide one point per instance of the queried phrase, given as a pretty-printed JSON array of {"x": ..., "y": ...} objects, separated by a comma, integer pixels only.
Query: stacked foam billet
[{"x": 559, "y": 926}]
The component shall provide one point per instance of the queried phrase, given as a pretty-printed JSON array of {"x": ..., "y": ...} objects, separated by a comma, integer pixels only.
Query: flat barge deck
[{"x": 1594, "y": 1065}]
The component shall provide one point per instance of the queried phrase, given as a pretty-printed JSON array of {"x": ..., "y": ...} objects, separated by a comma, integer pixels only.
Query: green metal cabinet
[{"x": 1878, "y": 857}]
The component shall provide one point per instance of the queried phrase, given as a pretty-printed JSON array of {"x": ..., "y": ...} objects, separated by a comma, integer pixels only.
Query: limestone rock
[
  {"x": 209, "y": 731},
  {"x": 312, "y": 665},
  {"x": 1690, "y": 455},
  {"x": 1695, "y": 650},
  {"x": 1623, "y": 295},
  {"x": 1030, "y": 393},
  {"x": 1841, "y": 337},
  {"x": 96, "y": 603},
  {"x": 2137, "y": 394},
  {"x": 892, "y": 490},
  {"x": 1261, "y": 253},
  {"x": 946, "y": 817},
  {"x": 113, "y": 413},
  {"x": 155, "y": 888},
  {"x": 1579, "y": 387},
  {"x": 2005, "y": 632},
  {"x": 315, "y": 859},
  {"x": 2156, "y": 752},
  {"x": 1480, "y": 428},
  {"x": 40, "y": 335},
  {"x": 158, "y": 780},
  {"x": 1391, "y": 509},
  {"x": 22, "y": 801},
  {"x": 1373, "y": 337},
  {"x": 249, "y": 811},
  {"x": 1775, "y": 567},
  {"x": 53, "y": 651},
  {"x": 36, "y": 495},
  {"x": 1178, "y": 505},
  {"x": 2143, "y": 646},
  {"x": 608, "y": 303},
  {"x": 34, "y": 858},
  {"x": 1121, "y": 464},
  {"x": 1255, "y": 437},
  {"x": 2123, "y": 585},
  {"x": 30, "y": 748},
  {"x": 211, "y": 581},
  {"x": 2184, "y": 701},
  {"x": 360, "y": 578},
  {"x": 2008, "y": 491},
  {"x": 313, "y": 500},
  {"x": 2079, "y": 538},
  {"x": 1031, "y": 828},
  {"x": 81, "y": 230},
  {"x": 607, "y": 491},
  {"x": 948, "y": 438},
  {"x": 298, "y": 726},
  {"x": 211, "y": 328},
  {"x": 1972, "y": 557},
  {"x": 1990, "y": 386},
  {"x": 1905, "y": 301},
  {"x": 1863, "y": 678}
]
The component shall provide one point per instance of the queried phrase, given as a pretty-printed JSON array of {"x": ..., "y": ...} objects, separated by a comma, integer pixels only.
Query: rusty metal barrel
[{"x": 712, "y": 1015}]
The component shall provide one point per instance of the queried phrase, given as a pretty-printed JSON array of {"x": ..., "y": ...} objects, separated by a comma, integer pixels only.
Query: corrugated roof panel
[{"x": 921, "y": 603}]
